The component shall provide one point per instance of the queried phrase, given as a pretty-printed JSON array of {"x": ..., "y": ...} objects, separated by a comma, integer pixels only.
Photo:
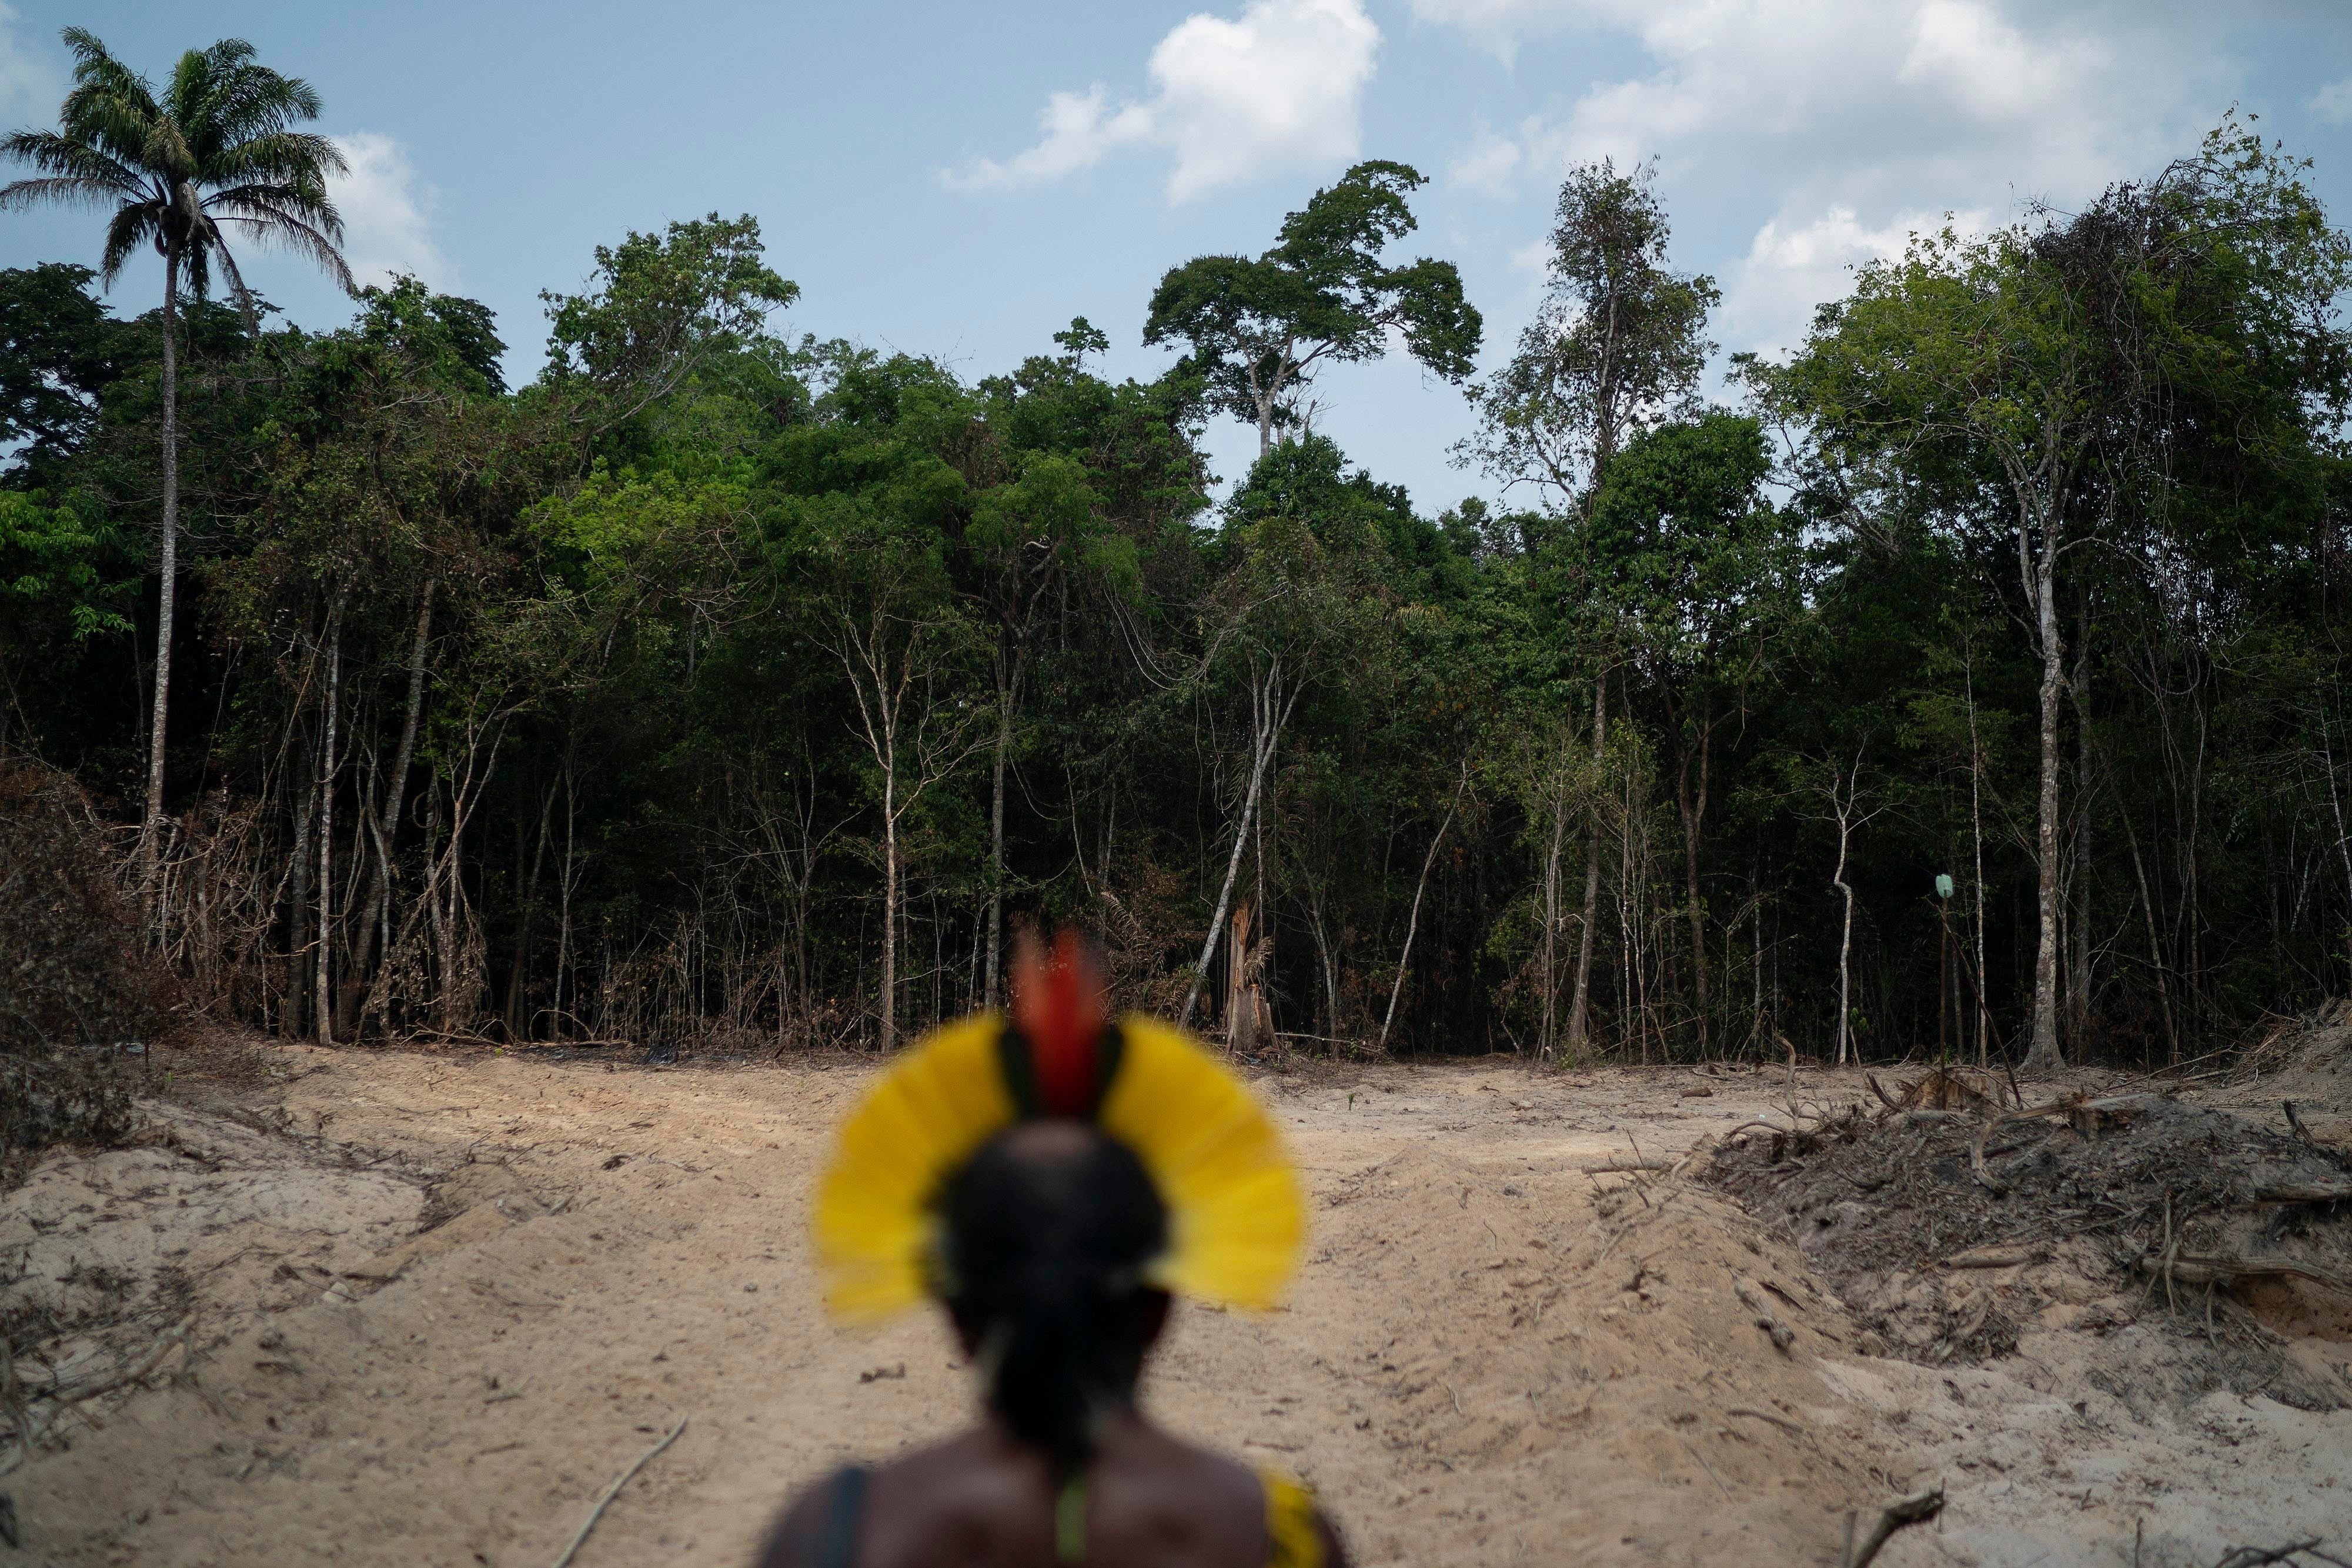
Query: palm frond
[
  {"x": 237, "y": 287},
  {"x": 24, "y": 193},
  {"x": 69, "y": 159},
  {"x": 110, "y": 106},
  {"x": 118, "y": 125},
  {"x": 192, "y": 82},
  {"x": 167, "y": 152},
  {"x": 272, "y": 223},
  {"x": 253, "y": 102},
  {"x": 307, "y": 203},
  {"x": 197, "y": 262},
  {"x": 223, "y": 122},
  {"x": 282, "y": 157},
  {"x": 97, "y": 69},
  {"x": 134, "y": 225}
]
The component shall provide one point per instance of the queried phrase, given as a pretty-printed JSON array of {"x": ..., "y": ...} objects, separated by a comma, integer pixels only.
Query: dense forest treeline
[{"x": 1971, "y": 681}]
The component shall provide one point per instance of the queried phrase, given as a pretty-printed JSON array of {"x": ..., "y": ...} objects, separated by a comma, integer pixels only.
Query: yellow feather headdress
[{"x": 1236, "y": 1218}]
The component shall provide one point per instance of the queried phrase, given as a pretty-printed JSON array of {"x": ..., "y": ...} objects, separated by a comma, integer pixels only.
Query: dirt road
[{"x": 435, "y": 1305}]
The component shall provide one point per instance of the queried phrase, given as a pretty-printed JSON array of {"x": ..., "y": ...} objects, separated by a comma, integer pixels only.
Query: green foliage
[
  {"x": 1256, "y": 330},
  {"x": 1692, "y": 559},
  {"x": 1618, "y": 343},
  {"x": 691, "y": 690},
  {"x": 658, "y": 307},
  {"x": 217, "y": 145},
  {"x": 63, "y": 562},
  {"x": 59, "y": 351}
]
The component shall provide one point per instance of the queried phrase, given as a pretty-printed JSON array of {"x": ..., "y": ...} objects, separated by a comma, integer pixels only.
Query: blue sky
[{"x": 961, "y": 180}]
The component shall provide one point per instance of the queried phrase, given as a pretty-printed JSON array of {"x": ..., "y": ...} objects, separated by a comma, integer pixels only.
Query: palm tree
[{"x": 216, "y": 149}]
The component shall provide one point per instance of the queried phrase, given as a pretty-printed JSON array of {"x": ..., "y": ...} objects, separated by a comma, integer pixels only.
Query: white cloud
[
  {"x": 1971, "y": 53},
  {"x": 1491, "y": 165},
  {"x": 2333, "y": 103},
  {"x": 1851, "y": 123},
  {"x": 1277, "y": 87},
  {"x": 1079, "y": 128},
  {"x": 29, "y": 93},
  {"x": 1500, "y": 24},
  {"x": 387, "y": 210},
  {"x": 1769, "y": 293}
]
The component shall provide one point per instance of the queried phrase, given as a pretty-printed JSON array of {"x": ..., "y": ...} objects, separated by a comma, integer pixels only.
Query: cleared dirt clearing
[{"x": 436, "y": 1303}]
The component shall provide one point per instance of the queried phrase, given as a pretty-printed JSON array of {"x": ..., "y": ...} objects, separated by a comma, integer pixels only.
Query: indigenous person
[{"x": 1050, "y": 1180}]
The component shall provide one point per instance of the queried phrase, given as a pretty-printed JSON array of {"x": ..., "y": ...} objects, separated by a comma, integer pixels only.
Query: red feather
[{"x": 1059, "y": 1006}]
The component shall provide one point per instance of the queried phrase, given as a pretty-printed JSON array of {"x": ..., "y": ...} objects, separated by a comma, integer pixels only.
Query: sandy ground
[{"x": 437, "y": 1304}]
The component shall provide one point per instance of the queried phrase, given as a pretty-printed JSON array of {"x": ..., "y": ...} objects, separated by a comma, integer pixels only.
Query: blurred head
[{"x": 1048, "y": 1232}]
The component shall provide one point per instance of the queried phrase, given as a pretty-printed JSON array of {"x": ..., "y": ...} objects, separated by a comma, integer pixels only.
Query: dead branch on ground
[
  {"x": 614, "y": 1490},
  {"x": 1899, "y": 1515},
  {"x": 1780, "y": 1334}
]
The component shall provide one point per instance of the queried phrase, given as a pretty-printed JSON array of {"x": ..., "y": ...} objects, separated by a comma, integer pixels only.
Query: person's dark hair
[{"x": 1048, "y": 1230}]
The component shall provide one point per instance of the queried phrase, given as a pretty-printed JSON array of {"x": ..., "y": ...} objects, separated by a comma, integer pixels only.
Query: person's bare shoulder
[
  {"x": 1335, "y": 1550},
  {"x": 794, "y": 1541},
  {"x": 1206, "y": 1478},
  {"x": 800, "y": 1536}
]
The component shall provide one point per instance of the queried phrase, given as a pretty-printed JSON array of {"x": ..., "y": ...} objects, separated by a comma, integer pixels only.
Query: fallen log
[
  {"x": 2219, "y": 1268},
  {"x": 2305, "y": 1192},
  {"x": 1994, "y": 1258}
]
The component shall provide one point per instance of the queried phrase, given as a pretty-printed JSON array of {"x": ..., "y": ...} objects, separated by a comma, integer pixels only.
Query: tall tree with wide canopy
[
  {"x": 1258, "y": 330},
  {"x": 58, "y": 350},
  {"x": 217, "y": 148},
  {"x": 2058, "y": 391},
  {"x": 1618, "y": 343},
  {"x": 1619, "y": 340}
]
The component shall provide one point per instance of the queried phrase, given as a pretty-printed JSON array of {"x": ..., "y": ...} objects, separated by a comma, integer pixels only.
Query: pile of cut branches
[
  {"x": 1952, "y": 1222},
  {"x": 78, "y": 1003}
]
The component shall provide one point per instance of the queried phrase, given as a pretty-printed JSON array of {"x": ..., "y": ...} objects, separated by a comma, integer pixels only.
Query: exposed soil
[
  {"x": 428, "y": 1307},
  {"x": 1951, "y": 1234}
]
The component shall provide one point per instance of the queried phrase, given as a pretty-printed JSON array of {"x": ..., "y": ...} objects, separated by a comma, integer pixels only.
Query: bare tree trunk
[
  {"x": 1844, "y": 810},
  {"x": 295, "y": 1023},
  {"x": 1630, "y": 993},
  {"x": 386, "y": 827},
  {"x": 890, "y": 897},
  {"x": 328, "y": 763},
  {"x": 1327, "y": 961},
  {"x": 2155, "y": 947},
  {"x": 2336, "y": 807},
  {"x": 150, "y": 825},
  {"x": 1241, "y": 1015},
  {"x": 2190, "y": 864},
  {"x": 2078, "y": 958},
  {"x": 1545, "y": 1039},
  {"x": 1694, "y": 815},
  {"x": 884, "y": 681},
  {"x": 1269, "y": 709},
  {"x": 2043, "y": 1055},
  {"x": 436, "y": 918},
  {"x": 1975, "y": 825},
  {"x": 1413, "y": 924},
  {"x": 567, "y": 880},
  {"x": 1006, "y": 696},
  {"x": 1755, "y": 966},
  {"x": 1579, "y": 1016},
  {"x": 1269, "y": 399},
  {"x": 527, "y": 912}
]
